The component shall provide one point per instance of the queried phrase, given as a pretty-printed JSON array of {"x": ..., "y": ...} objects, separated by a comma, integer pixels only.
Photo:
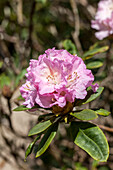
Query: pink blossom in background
[
  {"x": 55, "y": 78},
  {"x": 104, "y": 19}
]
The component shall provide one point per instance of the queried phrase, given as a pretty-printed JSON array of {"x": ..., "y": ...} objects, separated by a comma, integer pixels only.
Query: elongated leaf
[
  {"x": 85, "y": 114},
  {"x": 102, "y": 112},
  {"x": 22, "y": 108},
  {"x": 94, "y": 142},
  {"x": 95, "y": 45},
  {"x": 95, "y": 95},
  {"x": 94, "y": 64},
  {"x": 30, "y": 147},
  {"x": 47, "y": 139},
  {"x": 94, "y": 51},
  {"x": 40, "y": 127}
]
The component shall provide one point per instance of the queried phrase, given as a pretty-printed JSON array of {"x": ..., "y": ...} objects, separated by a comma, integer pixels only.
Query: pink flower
[
  {"x": 104, "y": 19},
  {"x": 57, "y": 77}
]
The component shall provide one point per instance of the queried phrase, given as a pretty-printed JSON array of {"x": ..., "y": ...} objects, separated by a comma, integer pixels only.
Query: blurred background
[{"x": 27, "y": 29}]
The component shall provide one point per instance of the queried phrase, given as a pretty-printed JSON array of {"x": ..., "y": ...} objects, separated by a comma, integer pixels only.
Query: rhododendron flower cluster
[
  {"x": 57, "y": 77},
  {"x": 104, "y": 19}
]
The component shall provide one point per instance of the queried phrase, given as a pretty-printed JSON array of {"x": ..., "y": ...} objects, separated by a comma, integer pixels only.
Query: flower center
[
  {"x": 53, "y": 78},
  {"x": 27, "y": 87},
  {"x": 71, "y": 79},
  {"x": 110, "y": 10},
  {"x": 111, "y": 7}
]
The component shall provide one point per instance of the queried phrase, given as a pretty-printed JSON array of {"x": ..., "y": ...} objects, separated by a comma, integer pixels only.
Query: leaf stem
[{"x": 106, "y": 128}]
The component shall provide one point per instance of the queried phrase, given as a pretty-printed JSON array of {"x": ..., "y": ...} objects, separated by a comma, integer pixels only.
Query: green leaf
[
  {"x": 94, "y": 142},
  {"x": 95, "y": 45},
  {"x": 75, "y": 126},
  {"x": 85, "y": 114},
  {"x": 102, "y": 112},
  {"x": 47, "y": 139},
  {"x": 69, "y": 46},
  {"x": 21, "y": 108},
  {"x": 40, "y": 127},
  {"x": 95, "y": 95},
  {"x": 94, "y": 64},
  {"x": 94, "y": 51},
  {"x": 30, "y": 147}
]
